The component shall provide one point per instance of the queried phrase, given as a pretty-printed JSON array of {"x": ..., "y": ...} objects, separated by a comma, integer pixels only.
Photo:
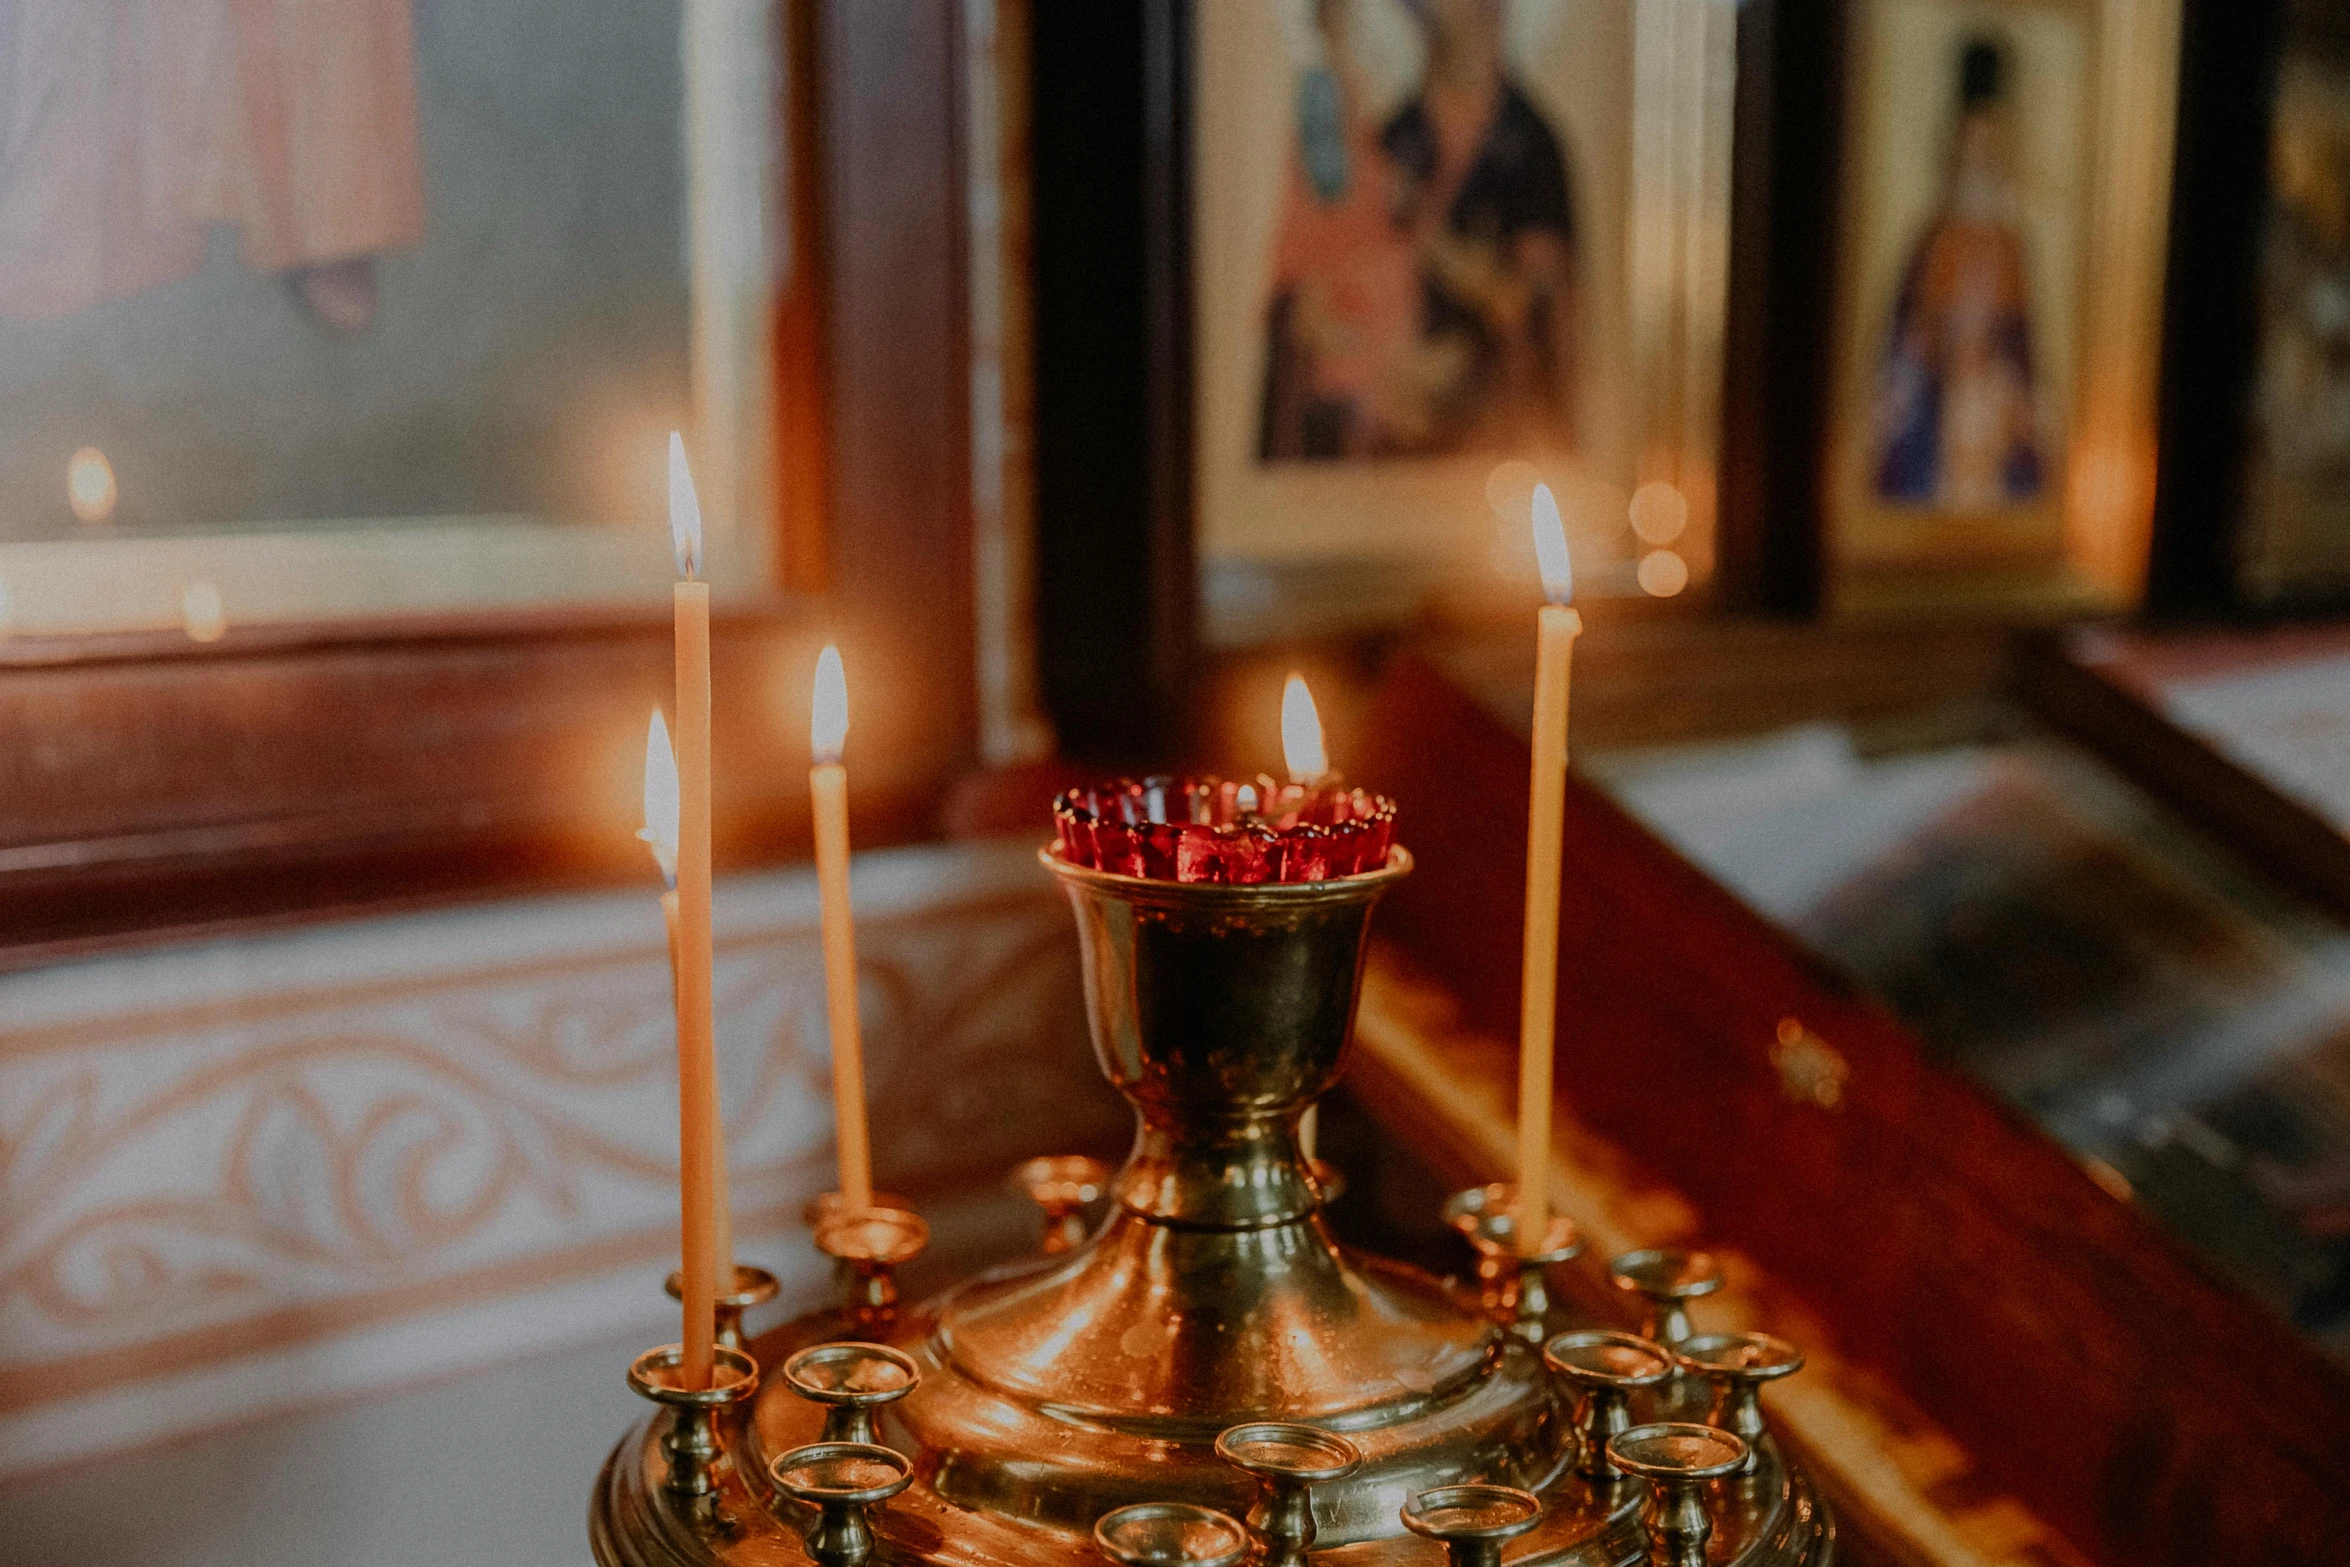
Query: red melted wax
[{"x": 1219, "y": 830}]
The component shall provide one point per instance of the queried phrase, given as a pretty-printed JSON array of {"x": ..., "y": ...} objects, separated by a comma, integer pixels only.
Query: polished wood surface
[
  {"x": 2149, "y": 1413},
  {"x": 2105, "y": 689},
  {"x": 1438, "y": 1095}
]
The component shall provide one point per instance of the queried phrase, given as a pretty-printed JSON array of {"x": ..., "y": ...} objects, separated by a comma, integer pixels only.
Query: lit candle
[
  {"x": 1558, "y": 626},
  {"x": 660, "y": 834},
  {"x": 828, "y": 786},
  {"x": 1308, "y": 762},
  {"x": 697, "y": 1068},
  {"x": 1301, "y": 734}
]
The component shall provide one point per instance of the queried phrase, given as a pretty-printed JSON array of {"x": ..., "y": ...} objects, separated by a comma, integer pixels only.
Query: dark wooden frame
[
  {"x": 1777, "y": 338},
  {"x": 149, "y": 785},
  {"x": 1112, "y": 259},
  {"x": 2219, "y": 189}
]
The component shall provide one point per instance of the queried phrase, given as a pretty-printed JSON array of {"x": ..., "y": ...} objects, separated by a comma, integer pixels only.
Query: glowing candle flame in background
[
  {"x": 89, "y": 485},
  {"x": 661, "y": 803},
  {"x": 1550, "y": 548},
  {"x": 685, "y": 512},
  {"x": 828, "y": 724},
  {"x": 202, "y": 613},
  {"x": 1301, "y": 733}
]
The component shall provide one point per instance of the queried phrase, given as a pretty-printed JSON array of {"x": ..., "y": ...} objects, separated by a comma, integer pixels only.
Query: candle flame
[
  {"x": 828, "y": 725},
  {"x": 89, "y": 485},
  {"x": 660, "y": 829},
  {"x": 1550, "y": 548},
  {"x": 1301, "y": 733},
  {"x": 685, "y": 512}
]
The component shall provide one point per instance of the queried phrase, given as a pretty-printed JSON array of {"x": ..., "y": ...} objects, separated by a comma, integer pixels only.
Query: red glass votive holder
[{"x": 1222, "y": 830}]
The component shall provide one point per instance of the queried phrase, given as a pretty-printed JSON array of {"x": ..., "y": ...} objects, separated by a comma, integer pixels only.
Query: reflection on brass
[
  {"x": 851, "y": 1381},
  {"x": 1668, "y": 1278},
  {"x": 691, "y": 1441},
  {"x": 1170, "y": 1534},
  {"x": 1288, "y": 1461},
  {"x": 1810, "y": 1070},
  {"x": 1738, "y": 1364},
  {"x": 1061, "y": 1186},
  {"x": 843, "y": 1481},
  {"x": 1328, "y": 1179},
  {"x": 1056, "y": 1393},
  {"x": 1511, "y": 1282},
  {"x": 1677, "y": 1460},
  {"x": 1605, "y": 1368},
  {"x": 1471, "y": 1522},
  {"x": 867, "y": 1248},
  {"x": 752, "y": 1287}
]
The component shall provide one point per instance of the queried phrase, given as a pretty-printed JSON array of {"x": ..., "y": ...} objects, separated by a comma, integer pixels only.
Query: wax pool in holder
[
  {"x": 1224, "y": 928},
  {"x": 1219, "y": 830}
]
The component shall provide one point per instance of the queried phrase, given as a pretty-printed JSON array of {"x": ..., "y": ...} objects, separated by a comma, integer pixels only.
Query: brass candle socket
[
  {"x": 851, "y": 1381},
  {"x": 1170, "y": 1534},
  {"x": 1288, "y": 1461},
  {"x": 1062, "y": 1186},
  {"x": 1667, "y": 1279},
  {"x": 1057, "y": 1391},
  {"x": 752, "y": 1287},
  {"x": 867, "y": 1249},
  {"x": 1605, "y": 1368},
  {"x": 1738, "y": 1364},
  {"x": 1511, "y": 1279},
  {"x": 824, "y": 1205},
  {"x": 1478, "y": 1215},
  {"x": 692, "y": 1445},
  {"x": 844, "y": 1482},
  {"x": 1472, "y": 1522},
  {"x": 1677, "y": 1460}
]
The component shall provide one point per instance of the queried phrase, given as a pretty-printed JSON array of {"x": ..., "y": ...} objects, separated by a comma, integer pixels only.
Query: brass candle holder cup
[
  {"x": 1472, "y": 1522},
  {"x": 867, "y": 1249},
  {"x": 1288, "y": 1461},
  {"x": 844, "y": 1482},
  {"x": 1170, "y": 1534},
  {"x": 852, "y": 1381},
  {"x": 825, "y": 1205},
  {"x": 691, "y": 1440},
  {"x": 752, "y": 1287},
  {"x": 1605, "y": 1368},
  {"x": 1511, "y": 1279},
  {"x": 1677, "y": 1460},
  {"x": 1666, "y": 1279},
  {"x": 1738, "y": 1364},
  {"x": 1062, "y": 1186},
  {"x": 1209, "y": 1347}
]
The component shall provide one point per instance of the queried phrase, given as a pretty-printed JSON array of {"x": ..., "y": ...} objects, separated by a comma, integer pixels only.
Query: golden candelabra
[{"x": 1210, "y": 1377}]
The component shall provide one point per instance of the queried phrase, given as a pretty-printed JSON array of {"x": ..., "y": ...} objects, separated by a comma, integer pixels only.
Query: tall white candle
[{"x": 1557, "y": 626}]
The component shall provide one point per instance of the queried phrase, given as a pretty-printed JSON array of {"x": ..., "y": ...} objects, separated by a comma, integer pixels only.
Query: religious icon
[
  {"x": 1423, "y": 292},
  {"x": 138, "y": 127},
  {"x": 1957, "y": 418},
  {"x": 347, "y": 267}
]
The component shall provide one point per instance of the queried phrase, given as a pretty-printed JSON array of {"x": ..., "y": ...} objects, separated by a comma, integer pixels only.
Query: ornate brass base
[{"x": 1062, "y": 1388}]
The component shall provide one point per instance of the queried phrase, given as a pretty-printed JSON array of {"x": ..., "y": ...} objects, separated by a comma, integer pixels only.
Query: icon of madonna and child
[
  {"x": 1423, "y": 298},
  {"x": 1956, "y": 411}
]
